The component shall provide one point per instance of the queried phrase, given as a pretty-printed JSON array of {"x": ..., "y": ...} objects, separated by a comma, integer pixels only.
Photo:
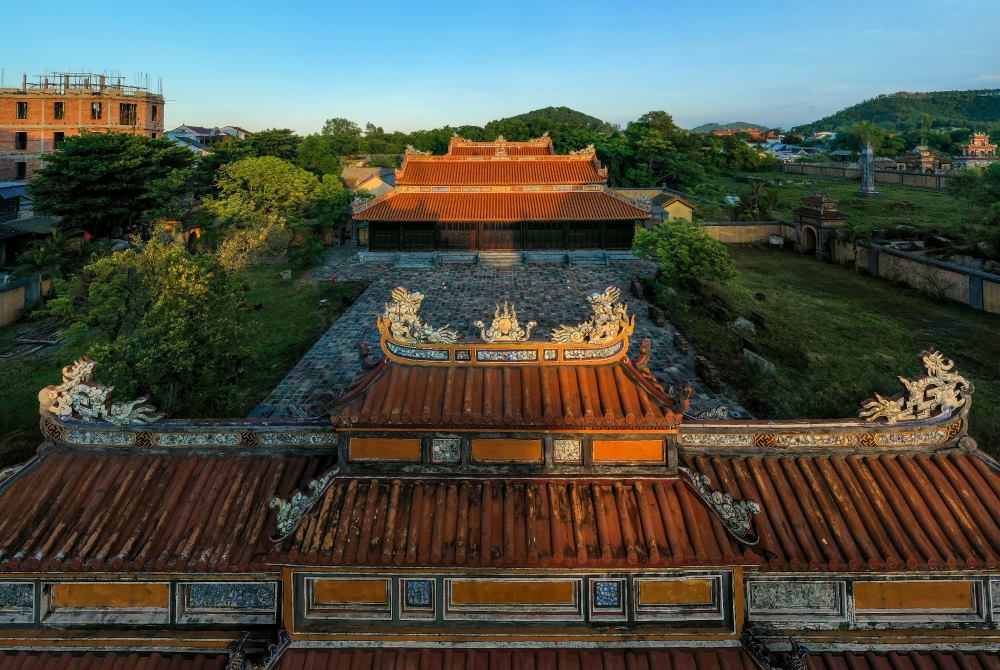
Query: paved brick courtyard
[{"x": 459, "y": 295}]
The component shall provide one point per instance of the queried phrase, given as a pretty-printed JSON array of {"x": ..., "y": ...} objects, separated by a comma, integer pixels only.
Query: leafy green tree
[
  {"x": 206, "y": 170},
  {"x": 163, "y": 322},
  {"x": 685, "y": 254},
  {"x": 316, "y": 155},
  {"x": 106, "y": 183},
  {"x": 264, "y": 187},
  {"x": 968, "y": 185},
  {"x": 278, "y": 142},
  {"x": 344, "y": 136}
]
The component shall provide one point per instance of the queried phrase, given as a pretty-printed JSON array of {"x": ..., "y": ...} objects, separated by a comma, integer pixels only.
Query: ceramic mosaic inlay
[
  {"x": 231, "y": 596},
  {"x": 99, "y": 437},
  {"x": 608, "y": 593},
  {"x": 16, "y": 596},
  {"x": 297, "y": 438},
  {"x": 417, "y": 354},
  {"x": 587, "y": 354},
  {"x": 506, "y": 355},
  {"x": 446, "y": 450},
  {"x": 193, "y": 439},
  {"x": 782, "y": 596},
  {"x": 567, "y": 451},
  {"x": 418, "y": 593}
]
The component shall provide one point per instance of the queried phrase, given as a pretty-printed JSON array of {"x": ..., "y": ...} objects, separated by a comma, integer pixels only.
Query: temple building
[
  {"x": 520, "y": 501},
  {"x": 499, "y": 195},
  {"x": 979, "y": 152},
  {"x": 923, "y": 159}
]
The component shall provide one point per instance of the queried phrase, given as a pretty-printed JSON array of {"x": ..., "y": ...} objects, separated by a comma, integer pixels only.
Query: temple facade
[
  {"x": 522, "y": 500},
  {"x": 500, "y": 195},
  {"x": 979, "y": 152}
]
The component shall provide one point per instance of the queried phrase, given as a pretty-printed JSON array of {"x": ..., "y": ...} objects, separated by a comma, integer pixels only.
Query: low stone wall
[
  {"x": 17, "y": 295},
  {"x": 980, "y": 290},
  {"x": 748, "y": 232},
  {"x": 850, "y": 173}
]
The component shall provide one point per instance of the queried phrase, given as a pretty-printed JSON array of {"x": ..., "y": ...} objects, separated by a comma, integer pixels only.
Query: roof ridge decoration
[
  {"x": 610, "y": 319},
  {"x": 505, "y": 326},
  {"x": 589, "y": 149},
  {"x": 291, "y": 512},
  {"x": 412, "y": 150},
  {"x": 80, "y": 397},
  {"x": 938, "y": 394},
  {"x": 735, "y": 514},
  {"x": 403, "y": 322}
]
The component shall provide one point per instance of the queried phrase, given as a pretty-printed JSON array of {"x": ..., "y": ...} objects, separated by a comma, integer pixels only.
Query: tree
[
  {"x": 261, "y": 200},
  {"x": 315, "y": 155},
  {"x": 278, "y": 142},
  {"x": 163, "y": 322},
  {"x": 968, "y": 185},
  {"x": 265, "y": 187},
  {"x": 106, "y": 183},
  {"x": 684, "y": 252},
  {"x": 206, "y": 170},
  {"x": 344, "y": 136}
]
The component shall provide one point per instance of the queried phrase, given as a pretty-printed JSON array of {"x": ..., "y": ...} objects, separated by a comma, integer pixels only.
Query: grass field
[
  {"x": 290, "y": 318},
  {"x": 836, "y": 337},
  {"x": 899, "y": 213}
]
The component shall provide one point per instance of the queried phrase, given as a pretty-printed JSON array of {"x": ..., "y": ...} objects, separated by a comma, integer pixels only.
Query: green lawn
[
  {"x": 899, "y": 213},
  {"x": 290, "y": 318},
  {"x": 836, "y": 337}
]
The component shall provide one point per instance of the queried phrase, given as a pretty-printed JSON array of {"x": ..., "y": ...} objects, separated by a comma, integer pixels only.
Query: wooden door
[{"x": 504, "y": 235}]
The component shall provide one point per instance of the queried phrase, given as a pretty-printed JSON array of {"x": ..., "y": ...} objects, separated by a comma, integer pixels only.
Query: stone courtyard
[{"x": 460, "y": 294}]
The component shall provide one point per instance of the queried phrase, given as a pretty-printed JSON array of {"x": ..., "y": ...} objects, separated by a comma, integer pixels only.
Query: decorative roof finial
[
  {"x": 505, "y": 326},
  {"x": 735, "y": 514},
  {"x": 404, "y": 324},
  {"x": 939, "y": 393},
  {"x": 80, "y": 397},
  {"x": 610, "y": 319}
]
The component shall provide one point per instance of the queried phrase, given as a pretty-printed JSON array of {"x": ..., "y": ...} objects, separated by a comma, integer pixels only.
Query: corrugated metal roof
[
  {"x": 501, "y": 206},
  {"x": 13, "y": 190},
  {"x": 725, "y": 658},
  {"x": 91, "y": 660},
  {"x": 510, "y": 396},
  {"x": 85, "y": 511}
]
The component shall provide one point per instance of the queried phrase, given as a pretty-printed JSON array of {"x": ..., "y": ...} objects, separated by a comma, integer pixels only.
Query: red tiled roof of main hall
[
  {"x": 140, "y": 512},
  {"x": 509, "y": 396},
  {"x": 819, "y": 513},
  {"x": 405, "y": 206},
  {"x": 110, "y": 660},
  {"x": 686, "y": 658},
  {"x": 505, "y": 172}
]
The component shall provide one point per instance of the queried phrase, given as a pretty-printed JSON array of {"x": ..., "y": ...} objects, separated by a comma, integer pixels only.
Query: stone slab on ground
[{"x": 458, "y": 295}]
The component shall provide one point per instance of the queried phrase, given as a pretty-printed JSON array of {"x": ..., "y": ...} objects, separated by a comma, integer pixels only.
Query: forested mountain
[
  {"x": 735, "y": 125},
  {"x": 901, "y": 112},
  {"x": 544, "y": 120}
]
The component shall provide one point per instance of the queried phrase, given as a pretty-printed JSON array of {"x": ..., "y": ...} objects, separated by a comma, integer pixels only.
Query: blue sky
[{"x": 409, "y": 65}]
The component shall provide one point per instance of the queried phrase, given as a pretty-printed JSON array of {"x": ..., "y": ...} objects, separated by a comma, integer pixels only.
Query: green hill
[
  {"x": 548, "y": 119},
  {"x": 735, "y": 125},
  {"x": 901, "y": 112}
]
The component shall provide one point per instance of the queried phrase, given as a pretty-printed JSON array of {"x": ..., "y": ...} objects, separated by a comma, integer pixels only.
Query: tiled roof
[
  {"x": 611, "y": 395},
  {"x": 706, "y": 658},
  {"x": 541, "y": 146},
  {"x": 436, "y": 172},
  {"x": 829, "y": 513},
  {"x": 904, "y": 660},
  {"x": 140, "y": 512},
  {"x": 889, "y": 512},
  {"x": 501, "y": 206},
  {"x": 511, "y": 523},
  {"x": 123, "y": 660}
]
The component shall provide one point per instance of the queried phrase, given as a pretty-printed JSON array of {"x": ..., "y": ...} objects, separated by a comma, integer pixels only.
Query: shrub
[{"x": 685, "y": 254}]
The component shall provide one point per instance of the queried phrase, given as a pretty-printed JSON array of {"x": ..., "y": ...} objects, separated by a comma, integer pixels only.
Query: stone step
[
  {"x": 416, "y": 260},
  {"x": 588, "y": 258},
  {"x": 457, "y": 257},
  {"x": 501, "y": 259}
]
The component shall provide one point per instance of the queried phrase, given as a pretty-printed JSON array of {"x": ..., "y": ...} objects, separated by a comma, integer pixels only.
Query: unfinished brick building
[{"x": 36, "y": 116}]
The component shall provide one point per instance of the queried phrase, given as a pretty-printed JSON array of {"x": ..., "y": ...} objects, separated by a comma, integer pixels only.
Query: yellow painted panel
[
  {"x": 351, "y": 591},
  {"x": 385, "y": 449},
  {"x": 610, "y": 451},
  {"x": 914, "y": 595},
  {"x": 507, "y": 450},
  {"x": 675, "y": 592},
  {"x": 117, "y": 595},
  {"x": 508, "y": 592}
]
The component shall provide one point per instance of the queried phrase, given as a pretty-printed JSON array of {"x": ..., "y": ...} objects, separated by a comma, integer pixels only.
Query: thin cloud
[{"x": 990, "y": 77}]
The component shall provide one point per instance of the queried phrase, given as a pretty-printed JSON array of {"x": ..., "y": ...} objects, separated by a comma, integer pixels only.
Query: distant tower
[{"x": 867, "y": 171}]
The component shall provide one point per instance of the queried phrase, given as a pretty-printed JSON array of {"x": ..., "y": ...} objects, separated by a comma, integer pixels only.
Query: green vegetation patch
[{"x": 834, "y": 336}]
